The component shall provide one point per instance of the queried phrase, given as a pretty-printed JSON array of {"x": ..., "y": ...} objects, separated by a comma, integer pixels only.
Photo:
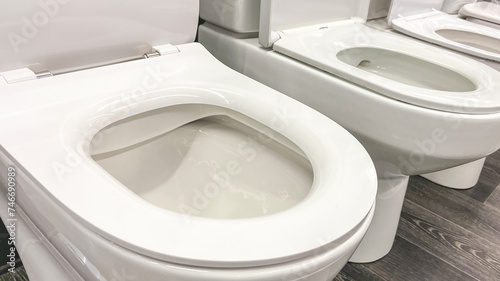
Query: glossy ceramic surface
[
  {"x": 404, "y": 8},
  {"x": 279, "y": 15},
  {"x": 66, "y": 124},
  {"x": 240, "y": 16},
  {"x": 486, "y": 11},
  {"x": 396, "y": 67},
  {"x": 454, "y": 33},
  {"x": 61, "y": 35},
  {"x": 452, "y": 6},
  {"x": 422, "y": 140},
  {"x": 241, "y": 171}
]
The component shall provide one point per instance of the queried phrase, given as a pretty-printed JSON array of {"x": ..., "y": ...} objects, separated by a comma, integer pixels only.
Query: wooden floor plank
[
  {"x": 494, "y": 199},
  {"x": 409, "y": 262},
  {"x": 18, "y": 275},
  {"x": 456, "y": 207},
  {"x": 356, "y": 272},
  {"x": 488, "y": 181},
  {"x": 459, "y": 247}
]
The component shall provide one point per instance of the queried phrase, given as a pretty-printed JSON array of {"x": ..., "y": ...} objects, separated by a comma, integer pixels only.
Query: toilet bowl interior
[
  {"x": 403, "y": 68},
  {"x": 209, "y": 162}
]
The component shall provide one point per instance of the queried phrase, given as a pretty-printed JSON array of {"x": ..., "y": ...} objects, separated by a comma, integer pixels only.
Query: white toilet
[
  {"x": 486, "y": 13},
  {"x": 416, "y": 108},
  {"x": 128, "y": 152},
  {"x": 430, "y": 21},
  {"x": 424, "y": 20}
]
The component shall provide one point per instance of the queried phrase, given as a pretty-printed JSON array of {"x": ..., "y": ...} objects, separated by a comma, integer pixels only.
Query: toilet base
[
  {"x": 460, "y": 177},
  {"x": 381, "y": 233}
]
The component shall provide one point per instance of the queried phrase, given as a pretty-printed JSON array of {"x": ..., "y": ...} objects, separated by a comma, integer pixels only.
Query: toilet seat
[
  {"x": 426, "y": 22},
  {"x": 486, "y": 11},
  {"x": 321, "y": 45},
  {"x": 189, "y": 76},
  {"x": 426, "y": 29}
]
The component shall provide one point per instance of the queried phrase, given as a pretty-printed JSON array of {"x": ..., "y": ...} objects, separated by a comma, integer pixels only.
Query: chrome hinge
[{"x": 26, "y": 74}]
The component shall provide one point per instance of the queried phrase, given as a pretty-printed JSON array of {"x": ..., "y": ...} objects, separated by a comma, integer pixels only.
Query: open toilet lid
[
  {"x": 59, "y": 36},
  {"x": 279, "y": 15},
  {"x": 487, "y": 11}
]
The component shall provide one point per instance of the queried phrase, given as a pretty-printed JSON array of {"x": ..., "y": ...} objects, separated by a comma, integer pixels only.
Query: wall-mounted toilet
[
  {"x": 416, "y": 108},
  {"x": 136, "y": 155}
]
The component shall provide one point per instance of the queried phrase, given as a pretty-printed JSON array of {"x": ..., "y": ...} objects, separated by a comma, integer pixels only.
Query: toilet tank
[
  {"x": 378, "y": 9},
  {"x": 240, "y": 16},
  {"x": 452, "y": 6},
  {"x": 63, "y": 34}
]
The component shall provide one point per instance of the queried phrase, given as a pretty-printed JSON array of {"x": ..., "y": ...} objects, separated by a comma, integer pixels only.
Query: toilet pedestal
[
  {"x": 380, "y": 236},
  {"x": 461, "y": 177}
]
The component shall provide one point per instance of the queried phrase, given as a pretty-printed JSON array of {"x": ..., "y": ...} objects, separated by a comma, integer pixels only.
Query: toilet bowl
[
  {"x": 170, "y": 166},
  {"x": 425, "y": 21},
  {"x": 384, "y": 88},
  {"x": 485, "y": 13}
]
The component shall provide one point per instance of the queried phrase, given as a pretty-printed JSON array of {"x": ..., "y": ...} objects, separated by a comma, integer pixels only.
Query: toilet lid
[
  {"x": 279, "y": 15},
  {"x": 478, "y": 40},
  {"x": 404, "y": 8},
  {"x": 62, "y": 35},
  {"x": 53, "y": 152},
  {"x": 487, "y": 11},
  {"x": 321, "y": 48}
]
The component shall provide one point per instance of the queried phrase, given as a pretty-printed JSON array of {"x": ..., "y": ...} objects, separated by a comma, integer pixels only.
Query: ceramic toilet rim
[
  {"x": 486, "y": 11},
  {"x": 425, "y": 29},
  {"x": 311, "y": 48},
  {"x": 113, "y": 222}
]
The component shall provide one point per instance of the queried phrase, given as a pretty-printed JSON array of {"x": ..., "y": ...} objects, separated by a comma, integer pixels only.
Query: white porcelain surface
[
  {"x": 96, "y": 258},
  {"x": 461, "y": 177},
  {"x": 378, "y": 8},
  {"x": 396, "y": 67},
  {"x": 452, "y": 6},
  {"x": 235, "y": 177},
  {"x": 422, "y": 140},
  {"x": 279, "y": 15},
  {"x": 58, "y": 35},
  {"x": 239, "y": 16},
  {"x": 54, "y": 151},
  {"x": 403, "y": 8},
  {"x": 32, "y": 248},
  {"x": 454, "y": 33},
  {"x": 487, "y": 11}
]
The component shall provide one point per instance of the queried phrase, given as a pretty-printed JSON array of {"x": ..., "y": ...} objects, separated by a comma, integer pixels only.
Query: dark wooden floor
[{"x": 443, "y": 234}]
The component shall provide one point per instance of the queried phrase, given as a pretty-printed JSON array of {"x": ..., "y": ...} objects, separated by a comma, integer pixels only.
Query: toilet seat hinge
[
  {"x": 25, "y": 74},
  {"x": 43, "y": 74},
  {"x": 165, "y": 49}
]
